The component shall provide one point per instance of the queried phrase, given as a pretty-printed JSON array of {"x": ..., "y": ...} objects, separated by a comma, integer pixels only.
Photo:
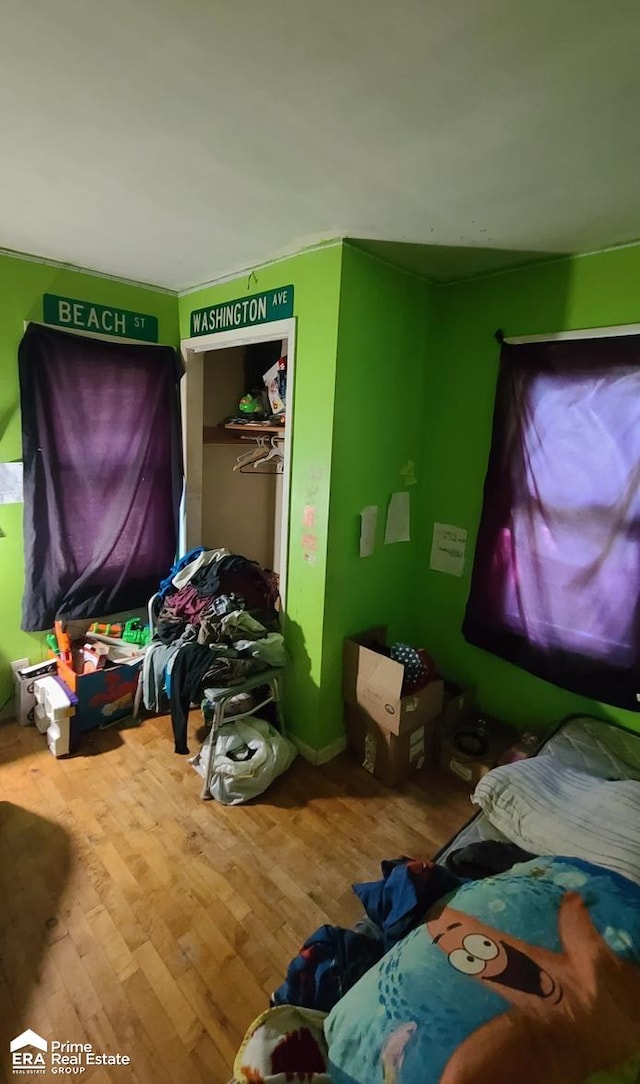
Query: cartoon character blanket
[{"x": 529, "y": 977}]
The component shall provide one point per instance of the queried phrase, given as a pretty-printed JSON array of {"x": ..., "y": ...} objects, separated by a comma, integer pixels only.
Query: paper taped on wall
[
  {"x": 368, "y": 527},
  {"x": 448, "y": 549},
  {"x": 11, "y": 483},
  {"x": 398, "y": 519}
]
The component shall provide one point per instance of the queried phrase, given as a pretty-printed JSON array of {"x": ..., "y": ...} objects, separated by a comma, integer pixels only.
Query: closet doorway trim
[{"x": 192, "y": 389}]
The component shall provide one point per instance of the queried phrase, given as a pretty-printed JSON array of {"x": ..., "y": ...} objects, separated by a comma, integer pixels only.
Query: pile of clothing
[
  {"x": 218, "y": 624},
  {"x": 332, "y": 959},
  {"x": 288, "y": 1041}
]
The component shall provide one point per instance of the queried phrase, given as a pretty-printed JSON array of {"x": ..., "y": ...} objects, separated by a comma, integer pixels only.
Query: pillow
[
  {"x": 529, "y": 976},
  {"x": 548, "y": 808}
]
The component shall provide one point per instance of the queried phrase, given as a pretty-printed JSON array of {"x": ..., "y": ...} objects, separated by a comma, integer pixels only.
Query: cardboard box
[
  {"x": 373, "y": 682},
  {"x": 457, "y": 706},
  {"x": 389, "y": 757},
  {"x": 472, "y": 768}
]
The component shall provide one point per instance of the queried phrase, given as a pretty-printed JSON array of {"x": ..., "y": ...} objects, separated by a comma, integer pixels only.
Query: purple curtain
[
  {"x": 556, "y": 576},
  {"x": 102, "y": 473}
]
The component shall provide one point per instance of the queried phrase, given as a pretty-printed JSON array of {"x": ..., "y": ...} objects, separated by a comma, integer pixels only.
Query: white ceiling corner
[{"x": 174, "y": 143}]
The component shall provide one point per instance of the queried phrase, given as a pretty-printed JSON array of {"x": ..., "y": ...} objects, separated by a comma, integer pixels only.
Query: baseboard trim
[{"x": 320, "y": 756}]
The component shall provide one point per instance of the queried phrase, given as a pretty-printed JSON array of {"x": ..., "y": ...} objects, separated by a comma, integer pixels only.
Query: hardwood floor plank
[
  {"x": 142, "y": 920},
  {"x": 164, "y": 985},
  {"x": 106, "y": 931}
]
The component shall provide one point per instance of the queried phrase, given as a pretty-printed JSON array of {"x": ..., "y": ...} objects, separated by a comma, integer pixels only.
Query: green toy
[
  {"x": 249, "y": 405},
  {"x": 136, "y": 633}
]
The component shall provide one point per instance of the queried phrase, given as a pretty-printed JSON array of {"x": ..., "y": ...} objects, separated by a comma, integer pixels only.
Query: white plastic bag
[{"x": 249, "y": 754}]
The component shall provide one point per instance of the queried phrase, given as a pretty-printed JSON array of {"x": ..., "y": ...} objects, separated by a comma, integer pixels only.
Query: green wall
[
  {"x": 378, "y": 421},
  {"x": 388, "y": 369},
  {"x": 581, "y": 292},
  {"x": 315, "y": 276},
  {"x": 22, "y": 284}
]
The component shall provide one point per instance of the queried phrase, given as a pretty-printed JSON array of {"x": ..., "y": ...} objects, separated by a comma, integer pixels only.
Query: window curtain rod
[{"x": 558, "y": 336}]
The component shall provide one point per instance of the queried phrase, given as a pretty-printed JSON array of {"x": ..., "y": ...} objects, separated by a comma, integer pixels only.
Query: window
[
  {"x": 102, "y": 473},
  {"x": 556, "y": 577}
]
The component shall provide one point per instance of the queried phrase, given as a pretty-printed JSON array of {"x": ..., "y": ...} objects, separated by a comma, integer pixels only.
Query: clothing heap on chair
[{"x": 218, "y": 625}]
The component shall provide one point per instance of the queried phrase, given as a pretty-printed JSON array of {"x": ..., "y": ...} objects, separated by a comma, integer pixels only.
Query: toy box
[{"x": 108, "y": 694}]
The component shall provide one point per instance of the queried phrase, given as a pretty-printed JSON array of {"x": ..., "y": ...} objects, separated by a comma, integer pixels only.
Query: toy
[
  {"x": 94, "y": 657},
  {"x": 249, "y": 405},
  {"x": 100, "y": 629},
  {"x": 131, "y": 632},
  {"x": 419, "y": 667},
  {"x": 136, "y": 633},
  {"x": 275, "y": 380},
  {"x": 63, "y": 640}
]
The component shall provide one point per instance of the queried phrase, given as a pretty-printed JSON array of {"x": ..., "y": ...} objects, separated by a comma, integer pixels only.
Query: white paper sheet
[
  {"x": 448, "y": 549},
  {"x": 368, "y": 528},
  {"x": 398, "y": 527},
  {"x": 11, "y": 483}
]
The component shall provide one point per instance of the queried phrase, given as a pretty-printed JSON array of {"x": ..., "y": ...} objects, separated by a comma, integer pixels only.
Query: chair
[
  {"x": 214, "y": 701},
  {"x": 214, "y": 704}
]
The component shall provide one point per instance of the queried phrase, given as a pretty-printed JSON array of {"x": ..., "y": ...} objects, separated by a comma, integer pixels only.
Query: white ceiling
[{"x": 176, "y": 141}]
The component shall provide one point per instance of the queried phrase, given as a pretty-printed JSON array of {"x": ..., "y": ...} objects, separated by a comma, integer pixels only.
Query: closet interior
[{"x": 244, "y": 404}]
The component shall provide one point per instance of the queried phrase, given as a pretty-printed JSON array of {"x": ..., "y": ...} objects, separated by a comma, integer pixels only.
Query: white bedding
[
  {"x": 586, "y": 744},
  {"x": 548, "y": 808}
]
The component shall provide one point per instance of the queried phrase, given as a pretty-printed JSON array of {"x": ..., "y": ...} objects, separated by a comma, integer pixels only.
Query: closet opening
[{"x": 237, "y": 400}]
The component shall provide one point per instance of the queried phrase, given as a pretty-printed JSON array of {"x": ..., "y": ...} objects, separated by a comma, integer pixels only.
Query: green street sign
[
  {"x": 100, "y": 319},
  {"x": 243, "y": 312}
]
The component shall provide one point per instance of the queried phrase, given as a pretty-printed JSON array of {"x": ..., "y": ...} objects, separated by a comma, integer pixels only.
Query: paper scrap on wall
[
  {"x": 368, "y": 528},
  {"x": 11, "y": 483},
  {"x": 408, "y": 473},
  {"x": 309, "y": 548},
  {"x": 448, "y": 549},
  {"x": 398, "y": 527}
]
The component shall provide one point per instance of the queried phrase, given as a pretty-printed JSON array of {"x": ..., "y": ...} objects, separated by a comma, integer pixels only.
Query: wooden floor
[{"x": 137, "y": 918}]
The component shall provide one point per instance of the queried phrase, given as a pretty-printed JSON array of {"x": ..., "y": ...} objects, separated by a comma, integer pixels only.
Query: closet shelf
[
  {"x": 230, "y": 433},
  {"x": 217, "y": 434},
  {"x": 255, "y": 427}
]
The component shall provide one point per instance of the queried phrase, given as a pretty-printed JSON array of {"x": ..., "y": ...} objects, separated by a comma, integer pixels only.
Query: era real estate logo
[
  {"x": 28, "y": 1053},
  {"x": 31, "y": 1055}
]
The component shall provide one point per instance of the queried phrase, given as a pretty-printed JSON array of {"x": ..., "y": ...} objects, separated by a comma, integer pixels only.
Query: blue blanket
[{"x": 529, "y": 977}]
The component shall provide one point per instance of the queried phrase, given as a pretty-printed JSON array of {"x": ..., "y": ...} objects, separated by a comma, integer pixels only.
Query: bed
[
  {"x": 590, "y": 744},
  {"x": 529, "y": 976}
]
